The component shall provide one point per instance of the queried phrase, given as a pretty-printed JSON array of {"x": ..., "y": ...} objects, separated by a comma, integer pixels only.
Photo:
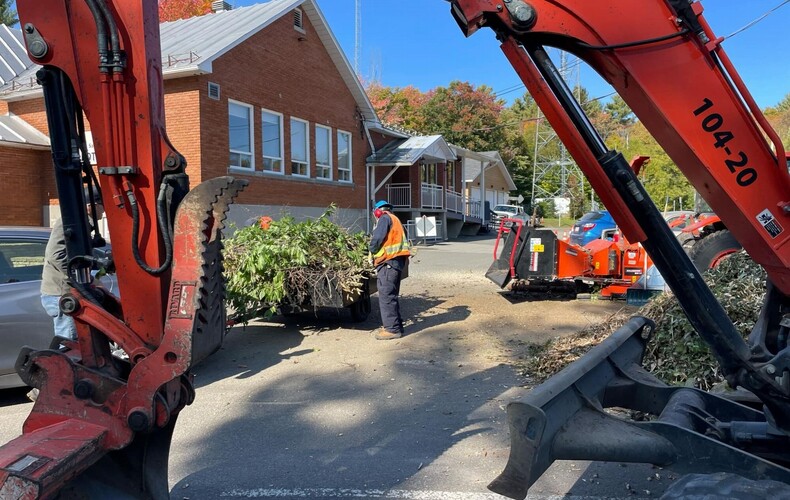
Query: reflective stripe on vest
[{"x": 395, "y": 245}]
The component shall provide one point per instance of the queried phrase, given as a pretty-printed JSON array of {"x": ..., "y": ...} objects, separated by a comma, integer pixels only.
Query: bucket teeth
[{"x": 198, "y": 260}]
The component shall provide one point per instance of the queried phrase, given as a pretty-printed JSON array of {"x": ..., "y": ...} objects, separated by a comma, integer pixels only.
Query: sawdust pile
[{"x": 675, "y": 354}]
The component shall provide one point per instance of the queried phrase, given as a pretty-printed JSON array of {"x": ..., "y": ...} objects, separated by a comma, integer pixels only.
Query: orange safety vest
[{"x": 395, "y": 245}]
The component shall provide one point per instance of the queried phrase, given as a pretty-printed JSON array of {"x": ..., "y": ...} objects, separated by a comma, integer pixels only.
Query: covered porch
[{"x": 420, "y": 176}]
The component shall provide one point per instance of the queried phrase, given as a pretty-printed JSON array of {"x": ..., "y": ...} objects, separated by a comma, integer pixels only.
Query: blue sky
[{"x": 416, "y": 42}]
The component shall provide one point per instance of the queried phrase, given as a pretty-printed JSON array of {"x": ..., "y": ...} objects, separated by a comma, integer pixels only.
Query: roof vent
[
  {"x": 213, "y": 91},
  {"x": 220, "y": 6},
  {"x": 298, "y": 20}
]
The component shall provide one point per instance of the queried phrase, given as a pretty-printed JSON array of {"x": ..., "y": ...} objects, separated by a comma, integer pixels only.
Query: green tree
[
  {"x": 518, "y": 125},
  {"x": 661, "y": 177},
  {"x": 8, "y": 13}
]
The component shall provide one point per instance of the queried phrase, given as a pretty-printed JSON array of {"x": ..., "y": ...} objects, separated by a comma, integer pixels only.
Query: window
[
  {"x": 21, "y": 260},
  {"x": 240, "y": 135},
  {"x": 323, "y": 152},
  {"x": 343, "y": 156},
  {"x": 272, "y": 137},
  {"x": 450, "y": 172},
  {"x": 300, "y": 145},
  {"x": 428, "y": 173}
]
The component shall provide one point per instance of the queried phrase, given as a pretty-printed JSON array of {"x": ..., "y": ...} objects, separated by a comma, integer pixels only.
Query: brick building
[{"x": 263, "y": 93}]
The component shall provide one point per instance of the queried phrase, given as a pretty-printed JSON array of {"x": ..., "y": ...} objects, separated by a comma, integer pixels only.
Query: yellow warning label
[{"x": 537, "y": 248}]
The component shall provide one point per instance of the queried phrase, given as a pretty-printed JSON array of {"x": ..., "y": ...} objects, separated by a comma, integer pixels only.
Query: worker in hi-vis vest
[{"x": 389, "y": 248}]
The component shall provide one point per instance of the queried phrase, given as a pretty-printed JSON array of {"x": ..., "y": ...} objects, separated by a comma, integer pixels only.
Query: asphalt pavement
[{"x": 312, "y": 406}]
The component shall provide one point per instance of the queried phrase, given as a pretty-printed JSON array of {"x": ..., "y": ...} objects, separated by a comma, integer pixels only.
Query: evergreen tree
[{"x": 8, "y": 13}]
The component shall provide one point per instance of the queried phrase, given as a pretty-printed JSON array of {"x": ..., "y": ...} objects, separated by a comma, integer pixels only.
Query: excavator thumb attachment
[
  {"x": 583, "y": 413},
  {"x": 112, "y": 441}
]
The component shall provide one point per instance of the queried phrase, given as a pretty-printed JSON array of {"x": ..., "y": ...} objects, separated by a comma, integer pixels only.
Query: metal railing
[
  {"x": 454, "y": 201},
  {"x": 432, "y": 196},
  {"x": 399, "y": 195},
  {"x": 472, "y": 209}
]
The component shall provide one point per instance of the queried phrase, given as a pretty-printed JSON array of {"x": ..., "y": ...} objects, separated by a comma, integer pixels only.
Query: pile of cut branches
[
  {"x": 285, "y": 262},
  {"x": 675, "y": 354}
]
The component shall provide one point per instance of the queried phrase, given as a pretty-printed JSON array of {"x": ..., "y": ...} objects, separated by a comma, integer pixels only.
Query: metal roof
[
  {"x": 405, "y": 152},
  {"x": 474, "y": 162},
  {"x": 15, "y": 131},
  {"x": 13, "y": 57},
  {"x": 190, "y": 46}
]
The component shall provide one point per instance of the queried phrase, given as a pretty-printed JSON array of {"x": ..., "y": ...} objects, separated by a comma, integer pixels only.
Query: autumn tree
[
  {"x": 8, "y": 13},
  {"x": 397, "y": 106},
  {"x": 172, "y": 10},
  {"x": 779, "y": 117},
  {"x": 465, "y": 115}
]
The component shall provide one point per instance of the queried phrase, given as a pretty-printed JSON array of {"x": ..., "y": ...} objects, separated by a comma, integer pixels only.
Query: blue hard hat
[{"x": 382, "y": 204}]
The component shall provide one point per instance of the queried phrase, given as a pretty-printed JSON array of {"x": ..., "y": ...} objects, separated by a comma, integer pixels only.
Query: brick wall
[
  {"x": 32, "y": 111},
  {"x": 275, "y": 70},
  {"x": 183, "y": 123},
  {"x": 23, "y": 197}
]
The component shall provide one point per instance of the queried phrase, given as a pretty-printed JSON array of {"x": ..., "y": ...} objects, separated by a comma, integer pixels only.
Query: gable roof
[
  {"x": 13, "y": 56},
  {"x": 407, "y": 152},
  {"x": 474, "y": 162},
  {"x": 16, "y": 132},
  {"x": 190, "y": 46}
]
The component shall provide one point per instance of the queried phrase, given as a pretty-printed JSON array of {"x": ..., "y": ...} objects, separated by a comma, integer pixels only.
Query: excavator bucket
[{"x": 583, "y": 413}]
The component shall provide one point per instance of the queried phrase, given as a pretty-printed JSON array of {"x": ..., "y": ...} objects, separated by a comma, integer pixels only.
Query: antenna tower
[
  {"x": 555, "y": 174},
  {"x": 357, "y": 34}
]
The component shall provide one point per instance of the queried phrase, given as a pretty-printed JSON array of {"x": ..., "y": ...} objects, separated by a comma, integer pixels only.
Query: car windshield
[
  {"x": 591, "y": 216},
  {"x": 506, "y": 208}
]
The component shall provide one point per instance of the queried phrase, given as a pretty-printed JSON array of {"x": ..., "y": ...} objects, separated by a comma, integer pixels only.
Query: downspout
[{"x": 368, "y": 178}]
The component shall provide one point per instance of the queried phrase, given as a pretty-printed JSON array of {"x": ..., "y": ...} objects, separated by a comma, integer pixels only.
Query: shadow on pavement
[{"x": 247, "y": 351}]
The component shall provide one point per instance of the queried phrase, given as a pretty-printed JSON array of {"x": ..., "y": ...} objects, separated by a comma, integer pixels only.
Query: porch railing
[
  {"x": 399, "y": 195},
  {"x": 473, "y": 209},
  {"x": 454, "y": 201},
  {"x": 432, "y": 196}
]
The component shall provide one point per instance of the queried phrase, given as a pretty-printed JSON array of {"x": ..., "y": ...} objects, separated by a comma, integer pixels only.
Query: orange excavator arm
[
  {"x": 103, "y": 419},
  {"x": 666, "y": 63}
]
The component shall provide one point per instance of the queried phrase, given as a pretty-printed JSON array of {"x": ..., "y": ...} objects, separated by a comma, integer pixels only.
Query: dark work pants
[{"x": 389, "y": 288}]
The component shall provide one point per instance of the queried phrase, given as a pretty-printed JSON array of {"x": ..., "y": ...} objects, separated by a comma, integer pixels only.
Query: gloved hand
[{"x": 370, "y": 258}]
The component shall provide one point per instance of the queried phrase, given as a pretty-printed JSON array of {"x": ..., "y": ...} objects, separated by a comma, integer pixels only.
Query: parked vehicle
[
  {"x": 23, "y": 321},
  {"x": 500, "y": 212},
  {"x": 591, "y": 226}
]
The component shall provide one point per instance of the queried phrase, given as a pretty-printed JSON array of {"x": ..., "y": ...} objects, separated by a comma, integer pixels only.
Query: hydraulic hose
[
  {"x": 164, "y": 228},
  {"x": 101, "y": 34}
]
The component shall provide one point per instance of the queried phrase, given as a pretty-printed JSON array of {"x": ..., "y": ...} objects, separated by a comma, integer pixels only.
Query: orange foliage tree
[{"x": 171, "y": 10}]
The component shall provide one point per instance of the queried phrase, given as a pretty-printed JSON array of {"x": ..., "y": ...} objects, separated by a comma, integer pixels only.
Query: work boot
[{"x": 383, "y": 334}]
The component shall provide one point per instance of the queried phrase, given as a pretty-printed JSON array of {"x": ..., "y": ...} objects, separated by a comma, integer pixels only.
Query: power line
[{"x": 749, "y": 25}]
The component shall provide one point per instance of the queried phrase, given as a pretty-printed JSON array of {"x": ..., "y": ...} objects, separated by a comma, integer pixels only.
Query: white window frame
[
  {"x": 319, "y": 166},
  {"x": 251, "y": 153},
  {"x": 306, "y": 147},
  {"x": 340, "y": 168},
  {"x": 281, "y": 158}
]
